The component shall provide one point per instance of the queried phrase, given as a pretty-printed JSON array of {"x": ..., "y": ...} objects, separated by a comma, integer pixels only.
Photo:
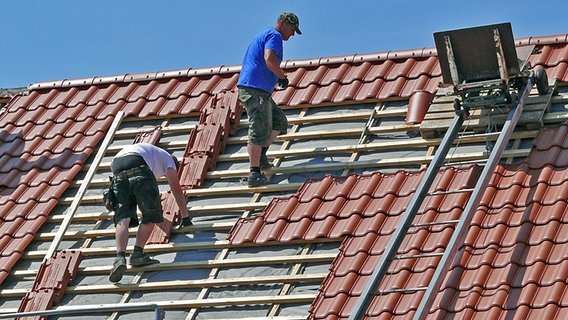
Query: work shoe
[
  {"x": 139, "y": 260},
  {"x": 264, "y": 162},
  {"x": 256, "y": 179},
  {"x": 185, "y": 222},
  {"x": 118, "y": 268}
]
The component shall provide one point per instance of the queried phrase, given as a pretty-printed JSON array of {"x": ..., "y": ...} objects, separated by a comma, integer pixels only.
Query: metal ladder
[{"x": 461, "y": 225}]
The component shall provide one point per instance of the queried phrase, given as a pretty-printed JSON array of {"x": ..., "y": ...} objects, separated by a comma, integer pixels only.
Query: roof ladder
[{"x": 461, "y": 225}]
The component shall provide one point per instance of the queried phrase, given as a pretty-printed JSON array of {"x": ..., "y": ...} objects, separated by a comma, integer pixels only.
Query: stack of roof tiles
[
  {"x": 51, "y": 281},
  {"x": 218, "y": 119}
]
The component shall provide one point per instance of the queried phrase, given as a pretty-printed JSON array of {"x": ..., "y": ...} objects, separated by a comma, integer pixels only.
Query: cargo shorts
[
  {"x": 263, "y": 114},
  {"x": 137, "y": 187}
]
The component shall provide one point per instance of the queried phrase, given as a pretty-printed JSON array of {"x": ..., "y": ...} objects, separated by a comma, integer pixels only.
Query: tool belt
[
  {"x": 128, "y": 164},
  {"x": 142, "y": 169}
]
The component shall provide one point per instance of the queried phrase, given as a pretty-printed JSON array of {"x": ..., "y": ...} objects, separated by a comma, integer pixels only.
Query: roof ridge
[
  {"x": 542, "y": 40},
  {"x": 190, "y": 72},
  {"x": 299, "y": 63},
  {"x": 96, "y": 80}
]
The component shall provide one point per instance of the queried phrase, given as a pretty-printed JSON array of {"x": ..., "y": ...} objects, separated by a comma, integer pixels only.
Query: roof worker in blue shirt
[
  {"x": 259, "y": 75},
  {"x": 136, "y": 169}
]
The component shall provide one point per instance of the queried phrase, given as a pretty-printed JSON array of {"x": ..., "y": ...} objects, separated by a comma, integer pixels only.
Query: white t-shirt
[{"x": 158, "y": 159}]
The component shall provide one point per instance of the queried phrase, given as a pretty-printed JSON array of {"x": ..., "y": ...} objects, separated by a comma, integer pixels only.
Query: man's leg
[
  {"x": 273, "y": 136},
  {"x": 122, "y": 234},
  {"x": 144, "y": 232},
  {"x": 148, "y": 198},
  {"x": 255, "y": 177},
  {"x": 258, "y": 106},
  {"x": 279, "y": 125},
  {"x": 264, "y": 162},
  {"x": 119, "y": 264},
  {"x": 254, "y": 154},
  {"x": 138, "y": 258}
]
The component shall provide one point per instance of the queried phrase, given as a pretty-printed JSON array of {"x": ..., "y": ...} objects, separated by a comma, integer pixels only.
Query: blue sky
[{"x": 56, "y": 39}]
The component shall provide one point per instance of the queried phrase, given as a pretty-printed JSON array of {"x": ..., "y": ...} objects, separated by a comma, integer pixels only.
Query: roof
[
  {"x": 50, "y": 135},
  {"x": 515, "y": 251}
]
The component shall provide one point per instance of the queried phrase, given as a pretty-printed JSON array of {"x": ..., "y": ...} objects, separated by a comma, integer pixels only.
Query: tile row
[{"x": 353, "y": 205}]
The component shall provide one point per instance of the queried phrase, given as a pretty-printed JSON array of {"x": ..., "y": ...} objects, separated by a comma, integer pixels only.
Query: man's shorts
[
  {"x": 137, "y": 187},
  {"x": 263, "y": 114}
]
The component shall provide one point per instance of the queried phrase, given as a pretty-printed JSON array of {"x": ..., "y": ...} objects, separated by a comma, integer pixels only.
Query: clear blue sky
[{"x": 56, "y": 39}]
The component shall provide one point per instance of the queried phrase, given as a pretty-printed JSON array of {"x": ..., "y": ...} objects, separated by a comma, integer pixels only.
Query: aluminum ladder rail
[{"x": 460, "y": 231}]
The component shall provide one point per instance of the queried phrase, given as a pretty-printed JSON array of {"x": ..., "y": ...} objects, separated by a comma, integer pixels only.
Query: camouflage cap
[{"x": 292, "y": 19}]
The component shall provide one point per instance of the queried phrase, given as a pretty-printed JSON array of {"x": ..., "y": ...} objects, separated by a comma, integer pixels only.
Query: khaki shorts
[{"x": 263, "y": 114}]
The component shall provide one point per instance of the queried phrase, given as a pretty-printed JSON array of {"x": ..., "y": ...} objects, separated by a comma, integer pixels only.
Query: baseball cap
[{"x": 292, "y": 19}]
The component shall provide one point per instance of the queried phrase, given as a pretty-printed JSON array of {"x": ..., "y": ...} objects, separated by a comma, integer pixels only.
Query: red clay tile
[
  {"x": 354, "y": 245},
  {"x": 344, "y": 227},
  {"x": 15, "y": 245},
  {"x": 193, "y": 170},
  {"x": 248, "y": 233},
  {"x": 550, "y": 137},
  {"x": 320, "y": 229},
  {"x": 540, "y": 158},
  {"x": 303, "y": 210},
  {"x": 370, "y": 225},
  {"x": 294, "y": 231},
  {"x": 553, "y": 274},
  {"x": 340, "y": 187},
  {"x": 560, "y": 72},
  {"x": 161, "y": 231},
  {"x": 279, "y": 208},
  {"x": 274, "y": 231},
  {"x": 37, "y": 300},
  {"x": 150, "y": 136},
  {"x": 205, "y": 138},
  {"x": 362, "y": 186},
  {"x": 314, "y": 188}
]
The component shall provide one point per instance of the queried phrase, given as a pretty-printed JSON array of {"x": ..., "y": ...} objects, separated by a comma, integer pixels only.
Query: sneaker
[
  {"x": 256, "y": 179},
  {"x": 185, "y": 222},
  {"x": 264, "y": 162},
  {"x": 139, "y": 260},
  {"x": 118, "y": 268}
]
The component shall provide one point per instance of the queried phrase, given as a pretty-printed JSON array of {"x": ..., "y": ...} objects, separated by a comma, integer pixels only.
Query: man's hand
[{"x": 283, "y": 83}]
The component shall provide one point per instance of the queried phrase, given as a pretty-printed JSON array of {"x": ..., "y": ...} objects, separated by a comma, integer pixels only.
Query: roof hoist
[{"x": 485, "y": 70}]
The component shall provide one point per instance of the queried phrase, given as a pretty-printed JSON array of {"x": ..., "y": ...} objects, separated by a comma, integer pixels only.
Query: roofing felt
[{"x": 47, "y": 135}]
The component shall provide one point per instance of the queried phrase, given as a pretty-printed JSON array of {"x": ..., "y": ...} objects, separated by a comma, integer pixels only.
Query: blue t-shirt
[{"x": 255, "y": 72}]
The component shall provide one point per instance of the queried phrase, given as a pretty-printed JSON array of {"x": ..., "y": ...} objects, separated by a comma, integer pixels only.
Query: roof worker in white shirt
[{"x": 136, "y": 169}]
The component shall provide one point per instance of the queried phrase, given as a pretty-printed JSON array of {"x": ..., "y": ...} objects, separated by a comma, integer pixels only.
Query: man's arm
[
  {"x": 272, "y": 63},
  {"x": 179, "y": 195}
]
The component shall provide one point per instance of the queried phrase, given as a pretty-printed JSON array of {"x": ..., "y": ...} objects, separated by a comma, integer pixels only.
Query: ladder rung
[
  {"x": 423, "y": 255},
  {"x": 433, "y": 223},
  {"x": 401, "y": 290},
  {"x": 449, "y": 192}
]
